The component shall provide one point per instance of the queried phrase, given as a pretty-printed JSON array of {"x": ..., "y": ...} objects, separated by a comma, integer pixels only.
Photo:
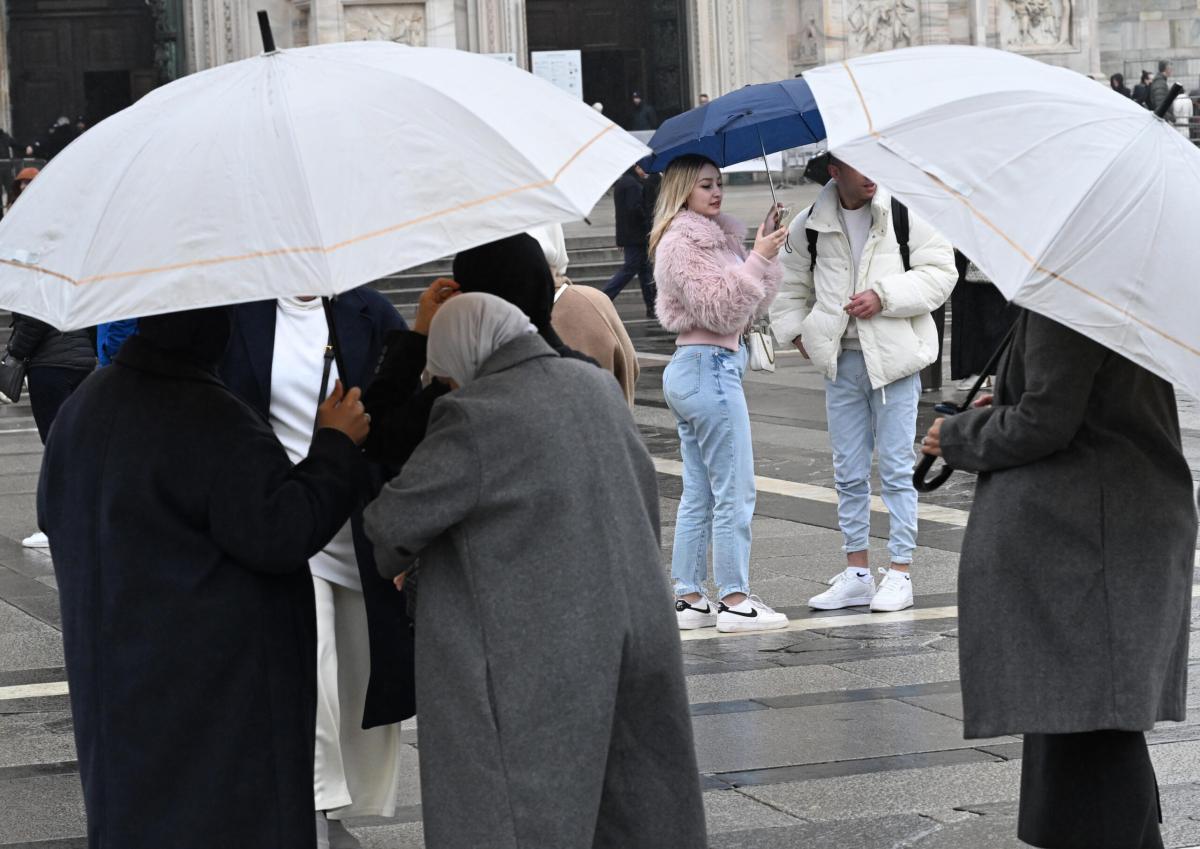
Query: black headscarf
[
  {"x": 516, "y": 270},
  {"x": 198, "y": 336}
]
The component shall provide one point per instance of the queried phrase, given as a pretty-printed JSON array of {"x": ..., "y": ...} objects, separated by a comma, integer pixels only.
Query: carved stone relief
[
  {"x": 804, "y": 47},
  {"x": 876, "y": 25},
  {"x": 403, "y": 23},
  {"x": 1030, "y": 25}
]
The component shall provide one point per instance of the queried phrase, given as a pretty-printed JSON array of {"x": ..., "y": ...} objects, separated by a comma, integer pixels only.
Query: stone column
[
  {"x": 500, "y": 28},
  {"x": 445, "y": 24},
  {"x": 5, "y": 77},
  {"x": 324, "y": 21},
  {"x": 720, "y": 45}
]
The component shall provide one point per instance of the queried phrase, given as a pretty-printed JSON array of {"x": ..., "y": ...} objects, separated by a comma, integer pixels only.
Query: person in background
[
  {"x": 1117, "y": 83},
  {"x": 866, "y": 324},
  {"x": 181, "y": 532},
  {"x": 702, "y": 100},
  {"x": 633, "y": 233},
  {"x": 1160, "y": 90},
  {"x": 57, "y": 362},
  {"x": 111, "y": 335},
  {"x": 280, "y": 363},
  {"x": 1141, "y": 91},
  {"x": 982, "y": 318},
  {"x": 549, "y": 717},
  {"x": 642, "y": 116},
  {"x": 710, "y": 289},
  {"x": 1074, "y": 588},
  {"x": 585, "y": 318}
]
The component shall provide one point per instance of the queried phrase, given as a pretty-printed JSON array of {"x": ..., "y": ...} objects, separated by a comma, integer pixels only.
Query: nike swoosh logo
[
  {"x": 751, "y": 615},
  {"x": 683, "y": 605}
]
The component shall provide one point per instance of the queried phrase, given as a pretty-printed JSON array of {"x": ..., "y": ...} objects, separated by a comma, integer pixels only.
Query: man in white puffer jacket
[{"x": 864, "y": 322}]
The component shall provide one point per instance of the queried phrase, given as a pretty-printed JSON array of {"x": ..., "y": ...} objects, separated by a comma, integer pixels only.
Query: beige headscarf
[{"x": 467, "y": 330}]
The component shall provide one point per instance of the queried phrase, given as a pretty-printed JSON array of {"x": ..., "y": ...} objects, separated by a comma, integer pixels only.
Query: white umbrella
[
  {"x": 1078, "y": 203},
  {"x": 307, "y": 171}
]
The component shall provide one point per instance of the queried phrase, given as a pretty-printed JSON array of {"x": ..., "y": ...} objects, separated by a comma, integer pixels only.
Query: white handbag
[{"x": 761, "y": 343}]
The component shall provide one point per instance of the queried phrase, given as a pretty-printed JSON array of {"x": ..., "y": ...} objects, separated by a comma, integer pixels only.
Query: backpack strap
[{"x": 900, "y": 228}]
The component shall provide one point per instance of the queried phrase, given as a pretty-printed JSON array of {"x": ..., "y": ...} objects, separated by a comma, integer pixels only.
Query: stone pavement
[{"x": 843, "y": 731}]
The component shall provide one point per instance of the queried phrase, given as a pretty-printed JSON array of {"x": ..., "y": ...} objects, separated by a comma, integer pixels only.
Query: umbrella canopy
[
  {"x": 1078, "y": 203},
  {"x": 752, "y": 121},
  {"x": 307, "y": 171}
]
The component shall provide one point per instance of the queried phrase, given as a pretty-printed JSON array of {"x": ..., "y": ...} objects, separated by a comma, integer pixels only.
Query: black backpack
[{"x": 899, "y": 227}]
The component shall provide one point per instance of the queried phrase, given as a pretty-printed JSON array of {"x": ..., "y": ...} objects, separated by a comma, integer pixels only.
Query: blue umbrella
[{"x": 752, "y": 121}]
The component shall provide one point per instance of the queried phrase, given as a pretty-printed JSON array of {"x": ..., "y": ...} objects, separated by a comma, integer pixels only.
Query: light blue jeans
[
  {"x": 703, "y": 388},
  {"x": 862, "y": 419}
]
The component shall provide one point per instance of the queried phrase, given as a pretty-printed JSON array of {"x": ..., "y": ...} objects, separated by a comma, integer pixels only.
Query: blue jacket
[
  {"x": 111, "y": 335},
  {"x": 364, "y": 317}
]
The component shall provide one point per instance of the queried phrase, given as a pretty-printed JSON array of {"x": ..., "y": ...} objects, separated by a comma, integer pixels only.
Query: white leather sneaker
[
  {"x": 37, "y": 540},
  {"x": 751, "y": 615},
  {"x": 894, "y": 593},
  {"x": 697, "y": 614},
  {"x": 846, "y": 589}
]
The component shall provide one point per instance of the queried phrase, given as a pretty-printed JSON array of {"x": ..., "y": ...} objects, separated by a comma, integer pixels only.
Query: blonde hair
[{"x": 677, "y": 183}]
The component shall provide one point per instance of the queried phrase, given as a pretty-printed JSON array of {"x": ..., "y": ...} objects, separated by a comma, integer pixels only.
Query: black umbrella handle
[{"x": 922, "y": 482}]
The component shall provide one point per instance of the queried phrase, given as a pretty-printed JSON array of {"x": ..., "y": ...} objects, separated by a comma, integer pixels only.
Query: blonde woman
[{"x": 709, "y": 289}]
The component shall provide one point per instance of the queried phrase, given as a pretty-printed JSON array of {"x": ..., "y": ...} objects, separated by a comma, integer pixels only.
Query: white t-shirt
[
  {"x": 857, "y": 225},
  {"x": 296, "y": 368}
]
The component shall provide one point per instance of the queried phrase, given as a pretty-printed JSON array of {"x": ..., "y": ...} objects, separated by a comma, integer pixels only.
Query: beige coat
[{"x": 586, "y": 320}]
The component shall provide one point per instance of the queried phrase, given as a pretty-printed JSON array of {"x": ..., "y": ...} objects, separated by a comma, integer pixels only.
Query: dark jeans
[
  {"x": 637, "y": 262},
  {"x": 49, "y": 386},
  {"x": 1094, "y": 790}
]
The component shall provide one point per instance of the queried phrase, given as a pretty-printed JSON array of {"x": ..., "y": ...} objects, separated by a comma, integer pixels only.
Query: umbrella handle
[
  {"x": 344, "y": 375},
  {"x": 927, "y": 484}
]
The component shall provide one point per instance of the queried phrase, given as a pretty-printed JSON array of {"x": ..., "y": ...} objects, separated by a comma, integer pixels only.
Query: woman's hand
[
  {"x": 767, "y": 245},
  {"x": 983, "y": 401},
  {"x": 398, "y": 581},
  {"x": 439, "y": 291},
  {"x": 932, "y": 443},
  {"x": 344, "y": 411}
]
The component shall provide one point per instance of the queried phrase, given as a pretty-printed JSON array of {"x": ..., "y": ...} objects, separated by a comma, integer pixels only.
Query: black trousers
[
  {"x": 637, "y": 264},
  {"x": 49, "y": 386},
  {"x": 1094, "y": 790}
]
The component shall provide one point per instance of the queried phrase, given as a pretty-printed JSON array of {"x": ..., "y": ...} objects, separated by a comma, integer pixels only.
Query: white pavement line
[
  {"x": 826, "y": 495},
  {"x": 33, "y": 691},
  {"x": 913, "y": 614},
  {"x": 821, "y": 622},
  {"x": 18, "y": 430}
]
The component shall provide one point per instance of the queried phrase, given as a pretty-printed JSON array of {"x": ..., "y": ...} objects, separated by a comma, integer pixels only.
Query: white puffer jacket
[{"x": 899, "y": 341}]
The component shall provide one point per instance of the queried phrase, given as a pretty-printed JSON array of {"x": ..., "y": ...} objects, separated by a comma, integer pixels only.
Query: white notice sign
[{"x": 564, "y": 68}]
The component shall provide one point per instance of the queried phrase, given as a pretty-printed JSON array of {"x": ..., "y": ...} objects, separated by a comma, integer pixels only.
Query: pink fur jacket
[{"x": 706, "y": 278}]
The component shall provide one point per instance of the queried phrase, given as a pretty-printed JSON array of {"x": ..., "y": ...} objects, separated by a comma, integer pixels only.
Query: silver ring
[{"x": 367, "y": 417}]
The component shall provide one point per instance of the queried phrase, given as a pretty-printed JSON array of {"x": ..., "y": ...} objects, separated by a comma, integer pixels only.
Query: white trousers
[{"x": 356, "y": 773}]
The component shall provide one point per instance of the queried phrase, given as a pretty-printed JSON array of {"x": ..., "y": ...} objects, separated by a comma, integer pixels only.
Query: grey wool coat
[
  {"x": 550, "y": 690},
  {"x": 1076, "y": 572}
]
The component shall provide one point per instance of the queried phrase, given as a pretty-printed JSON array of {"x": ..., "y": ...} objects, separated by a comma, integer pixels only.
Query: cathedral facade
[{"x": 89, "y": 58}]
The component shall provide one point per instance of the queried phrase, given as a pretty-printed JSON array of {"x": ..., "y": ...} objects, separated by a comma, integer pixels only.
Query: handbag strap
[{"x": 321, "y": 396}]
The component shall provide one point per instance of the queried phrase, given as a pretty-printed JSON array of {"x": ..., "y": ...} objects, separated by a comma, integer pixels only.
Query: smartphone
[{"x": 774, "y": 219}]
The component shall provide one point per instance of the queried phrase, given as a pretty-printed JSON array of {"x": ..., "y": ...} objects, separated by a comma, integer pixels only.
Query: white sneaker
[
  {"x": 894, "y": 593},
  {"x": 699, "y": 614},
  {"x": 966, "y": 383},
  {"x": 37, "y": 540},
  {"x": 751, "y": 615},
  {"x": 846, "y": 589}
]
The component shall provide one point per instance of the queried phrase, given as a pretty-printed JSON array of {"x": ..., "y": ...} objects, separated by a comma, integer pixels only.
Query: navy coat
[
  {"x": 364, "y": 318},
  {"x": 181, "y": 532}
]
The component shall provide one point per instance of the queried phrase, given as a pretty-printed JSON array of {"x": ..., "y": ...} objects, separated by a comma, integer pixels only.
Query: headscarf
[
  {"x": 516, "y": 270},
  {"x": 467, "y": 330}
]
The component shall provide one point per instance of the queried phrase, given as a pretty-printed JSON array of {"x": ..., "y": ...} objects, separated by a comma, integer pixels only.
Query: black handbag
[{"x": 12, "y": 378}]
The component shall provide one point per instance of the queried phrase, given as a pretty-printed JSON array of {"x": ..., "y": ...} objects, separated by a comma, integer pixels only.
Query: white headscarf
[{"x": 467, "y": 330}]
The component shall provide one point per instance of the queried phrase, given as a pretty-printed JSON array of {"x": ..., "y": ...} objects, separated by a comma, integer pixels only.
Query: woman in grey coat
[
  {"x": 1075, "y": 582},
  {"x": 553, "y": 713}
]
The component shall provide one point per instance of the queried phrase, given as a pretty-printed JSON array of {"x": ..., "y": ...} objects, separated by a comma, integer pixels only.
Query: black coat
[
  {"x": 644, "y": 118},
  {"x": 42, "y": 345},
  {"x": 364, "y": 318},
  {"x": 633, "y": 225},
  {"x": 181, "y": 534}
]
